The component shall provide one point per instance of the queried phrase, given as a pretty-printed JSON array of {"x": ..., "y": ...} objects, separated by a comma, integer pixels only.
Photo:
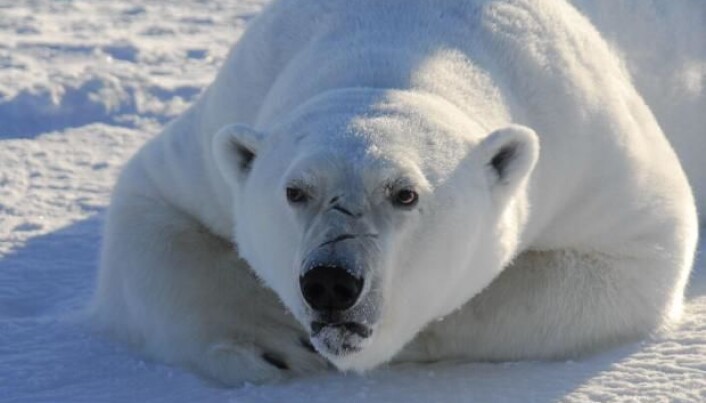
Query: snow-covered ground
[{"x": 84, "y": 83}]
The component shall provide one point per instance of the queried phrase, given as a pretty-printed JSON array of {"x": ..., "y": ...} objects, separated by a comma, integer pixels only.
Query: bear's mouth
[
  {"x": 340, "y": 338},
  {"x": 351, "y": 327}
]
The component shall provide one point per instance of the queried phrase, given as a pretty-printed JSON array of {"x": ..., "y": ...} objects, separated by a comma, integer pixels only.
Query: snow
[{"x": 82, "y": 85}]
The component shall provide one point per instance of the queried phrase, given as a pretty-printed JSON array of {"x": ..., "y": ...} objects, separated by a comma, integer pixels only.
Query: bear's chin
[
  {"x": 347, "y": 351},
  {"x": 341, "y": 339}
]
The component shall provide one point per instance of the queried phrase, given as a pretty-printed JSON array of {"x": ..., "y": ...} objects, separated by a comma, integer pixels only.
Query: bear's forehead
[
  {"x": 375, "y": 134},
  {"x": 379, "y": 117},
  {"x": 381, "y": 134},
  {"x": 367, "y": 159},
  {"x": 386, "y": 139},
  {"x": 362, "y": 147}
]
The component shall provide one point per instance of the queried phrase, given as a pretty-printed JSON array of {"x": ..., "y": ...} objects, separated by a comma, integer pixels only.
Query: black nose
[{"x": 330, "y": 288}]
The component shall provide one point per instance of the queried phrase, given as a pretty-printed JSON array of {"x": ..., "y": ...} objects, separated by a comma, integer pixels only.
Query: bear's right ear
[
  {"x": 234, "y": 148},
  {"x": 509, "y": 155}
]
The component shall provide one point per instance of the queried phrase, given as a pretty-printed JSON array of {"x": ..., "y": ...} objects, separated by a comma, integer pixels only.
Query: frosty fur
[{"x": 582, "y": 239}]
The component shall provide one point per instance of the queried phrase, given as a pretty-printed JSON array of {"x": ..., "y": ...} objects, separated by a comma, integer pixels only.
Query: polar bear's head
[{"x": 371, "y": 213}]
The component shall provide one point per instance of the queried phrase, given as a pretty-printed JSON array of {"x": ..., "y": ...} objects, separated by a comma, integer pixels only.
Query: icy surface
[{"x": 82, "y": 85}]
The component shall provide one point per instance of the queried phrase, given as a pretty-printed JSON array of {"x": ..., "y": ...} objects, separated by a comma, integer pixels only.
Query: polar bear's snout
[
  {"x": 330, "y": 288},
  {"x": 341, "y": 311},
  {"x": 336, "y": 283},
  {"x": 331, "y": 291}
]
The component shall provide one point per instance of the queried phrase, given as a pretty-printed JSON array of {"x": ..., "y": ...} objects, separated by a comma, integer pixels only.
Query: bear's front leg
[{"x": 182, "y": 295}]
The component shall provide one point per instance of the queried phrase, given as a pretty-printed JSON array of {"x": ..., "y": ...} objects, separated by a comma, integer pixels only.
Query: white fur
[
  {"x": 662, "y": 46},
  {"x": 585, "y": 238}
]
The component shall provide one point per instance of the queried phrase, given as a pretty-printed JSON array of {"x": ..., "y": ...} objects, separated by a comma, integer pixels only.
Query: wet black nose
[{"x": 330, "y": 288}]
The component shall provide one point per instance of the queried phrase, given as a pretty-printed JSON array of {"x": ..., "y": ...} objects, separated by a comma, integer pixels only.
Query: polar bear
[{"x": 402, "y": 181}]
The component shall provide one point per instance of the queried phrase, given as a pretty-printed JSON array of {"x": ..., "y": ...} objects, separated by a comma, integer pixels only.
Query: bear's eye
[
  {"x": 296, "y": 195},
  {"x": 405, "y": 198}
]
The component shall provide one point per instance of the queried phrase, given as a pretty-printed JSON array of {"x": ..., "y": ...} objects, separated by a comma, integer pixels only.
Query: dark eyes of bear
[
  {"x": 296, "y": 195},
  {"x": 405, "y": 198}
]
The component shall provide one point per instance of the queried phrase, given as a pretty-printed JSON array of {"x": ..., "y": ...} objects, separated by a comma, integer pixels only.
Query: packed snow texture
[{"x": 83, "y": 84}]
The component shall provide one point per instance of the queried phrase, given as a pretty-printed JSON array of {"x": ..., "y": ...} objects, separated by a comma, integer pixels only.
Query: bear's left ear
[
  {"x": 234, "y": 148},
  {"x": 508, "y": 156}
]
